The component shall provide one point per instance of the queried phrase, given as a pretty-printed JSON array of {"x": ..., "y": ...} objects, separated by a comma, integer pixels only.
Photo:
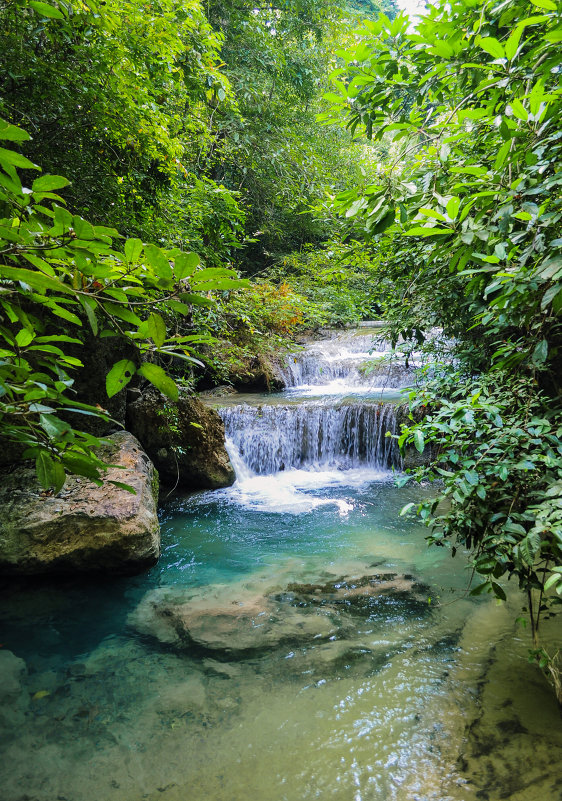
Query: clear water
[{"x": 283, "y": 682}]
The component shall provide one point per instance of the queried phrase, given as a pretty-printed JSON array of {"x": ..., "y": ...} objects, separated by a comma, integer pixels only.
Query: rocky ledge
[
  {"x": 185, "y": 440},
  {"x": 85, "y": 527}
]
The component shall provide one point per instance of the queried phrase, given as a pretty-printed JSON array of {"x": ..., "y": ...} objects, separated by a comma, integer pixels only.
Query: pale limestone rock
[{"x": 85, "y": 527}]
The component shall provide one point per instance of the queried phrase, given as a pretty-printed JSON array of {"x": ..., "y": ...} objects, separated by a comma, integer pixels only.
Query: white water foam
[
  {"x": 287, "y": 456},
  {"x": 292, "y": 491}
]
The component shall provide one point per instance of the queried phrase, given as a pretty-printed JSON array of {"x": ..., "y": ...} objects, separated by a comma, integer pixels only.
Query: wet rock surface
[
  {"x": 185, "y": 440},
  {"x": 85, "y": 527}
]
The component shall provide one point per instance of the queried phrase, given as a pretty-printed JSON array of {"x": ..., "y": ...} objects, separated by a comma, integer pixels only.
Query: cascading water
[
  {"x": 345, "y": 427},
  {"x": 312, "y": 434},
  {"x": 356, "y": 359}
]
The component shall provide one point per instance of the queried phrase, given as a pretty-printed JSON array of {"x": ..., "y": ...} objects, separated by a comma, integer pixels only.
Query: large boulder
[
  {"x": 84, "y": 527},
  {"x": 185, "y": 440}
]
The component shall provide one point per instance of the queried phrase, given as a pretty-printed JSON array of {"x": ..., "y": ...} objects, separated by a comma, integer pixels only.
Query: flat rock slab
[
  {"x": 85, "y": 527},
  {"x": 229, "y": 625},
  {"x": 236, "y": 622}
]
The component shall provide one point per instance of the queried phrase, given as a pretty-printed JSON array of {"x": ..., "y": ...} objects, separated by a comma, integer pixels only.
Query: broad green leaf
[
  {"x": 122, "y": 313},
  {"x": 156, "y": 329},
  {"x": 536, "y": 96},
  {"x": 120, "y": 485},
  {"x": 453, "y": 207},
  {"x": 432, "y": 213},
  {"x": 480, "y": 588},
  {"x": 119, "y": 376},
  {"x": 519, "y": 109},
  {"x": 552, "y": 580},
  {"x": 24, "y": 337},
  {"x": 81, "y": 465},
  {"x": 197, "y": 300},
  {"x": 549, "y": 296},
  {"x": 133, "y": 249},
  {"x": 554, "y": 36},
  {"x": 419, "y": 440},
  {"x": 441, "y": 48},
  {"x": 60, "y": 311},
  {"x": 540, "y": 352},
  {"x": 513, "y": 42},
  {"x": 405, "y": 509},
  {"x": 46, "y": 10},
  {"x": 429, "y": 232},
  {"x": 36, "y": 280},
  {"x": 82, "y": 228},
  {"x": 54, "y": 428},
  {"x": 49, "y": 473},
  {"x": 11, "y": 158},
  {"x": 185, "y": 264},
  {"x": 159, "y": 262},
  {"x": 498, "y": 590},
  {"x": 356, "y": 207},
  {"x": 63, "y": 217},
  {"x": 159, "y": 378},
  {"x": 529, "y": 548},
  {"x": 492, "y": 46},
  {"x": 46, "y": 183},
  {"x": 502, "y": 155},
  {"x": 89, "y": 305},
  {"x": 177, "y": 306},
  {"x": 385, "y": 222},
  {"x": 12, "y": 133},
  {"x": 549, "y": 5}
]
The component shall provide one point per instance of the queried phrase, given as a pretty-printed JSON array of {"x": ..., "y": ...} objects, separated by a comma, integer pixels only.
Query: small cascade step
[
  {"x": 345, "y": 435},
  {"x": 360, "y": 356}
]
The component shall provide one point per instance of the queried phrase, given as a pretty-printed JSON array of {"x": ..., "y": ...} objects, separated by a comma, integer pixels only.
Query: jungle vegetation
[{"x": 176, "y": 174}]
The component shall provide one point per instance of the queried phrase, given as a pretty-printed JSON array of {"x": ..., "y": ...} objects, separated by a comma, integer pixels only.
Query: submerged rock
[
  {"x": 14, "y": 698},
  {"x": 84, "y": 527},
  {"x": 362, "y": 595},
  {"x": 185, "y": 440},
  {"x": 237, "y": 622},
  {"x": 227, "y": 626},
  {"x": 12, "y": 671}
]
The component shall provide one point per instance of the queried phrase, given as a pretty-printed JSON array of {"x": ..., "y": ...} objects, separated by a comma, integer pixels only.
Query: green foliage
[
  {"x": 120, "y": 100},
  {"x": 58, "y": 272},
  {"x": 499, "y": 458},
  {"x": 271, "y": 148},
  {"x": 336, "y": 283},
  {"x": 466, "y": 215}
]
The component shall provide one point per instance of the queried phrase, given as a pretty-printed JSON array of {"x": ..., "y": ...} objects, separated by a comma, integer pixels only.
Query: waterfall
[
  {"x": 270, "y": 438},
  {"x": 358, "y": 357},
  {"x": 331, "y": 416}
]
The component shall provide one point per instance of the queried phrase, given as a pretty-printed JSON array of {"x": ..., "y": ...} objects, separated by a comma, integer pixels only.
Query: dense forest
[{"x": 203, "y": 182}]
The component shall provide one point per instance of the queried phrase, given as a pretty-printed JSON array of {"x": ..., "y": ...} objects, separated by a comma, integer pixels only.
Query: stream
[{"x": 297, "y": 640}]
